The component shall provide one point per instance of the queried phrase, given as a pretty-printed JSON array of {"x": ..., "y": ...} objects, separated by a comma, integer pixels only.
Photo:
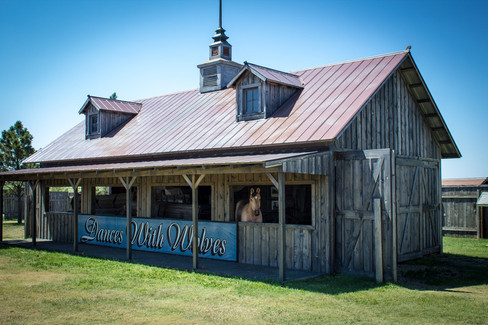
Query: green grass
[
  {"x": 13, "y": 230},
  {"x": 55, "y": 288}
]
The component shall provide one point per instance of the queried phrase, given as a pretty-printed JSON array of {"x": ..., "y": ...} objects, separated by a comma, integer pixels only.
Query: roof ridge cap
[
  {"x": 117, "y": 100},
  {"x": 356, "y": 60},
  {"x": 257, "y": 65}
]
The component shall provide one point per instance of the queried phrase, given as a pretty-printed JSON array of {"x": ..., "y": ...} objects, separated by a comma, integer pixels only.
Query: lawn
[
  {"x": 13, "y": 230},
  {"x": 55, "y": 288}
]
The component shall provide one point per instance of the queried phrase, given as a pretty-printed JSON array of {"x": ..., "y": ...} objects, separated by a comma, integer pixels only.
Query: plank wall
[
  {"x": 460, "y": 215},
  {"x": 391, "y": 119}
]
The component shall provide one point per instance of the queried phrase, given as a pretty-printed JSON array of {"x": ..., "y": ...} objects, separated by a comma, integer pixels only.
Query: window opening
[
  {"x": 251, "y": 101},
  {"x": 111, "y": 201},
  {"x": 175, "y": 202},
  {"x": 298, "y": 203},
  {"x": 93, "y": 124}
]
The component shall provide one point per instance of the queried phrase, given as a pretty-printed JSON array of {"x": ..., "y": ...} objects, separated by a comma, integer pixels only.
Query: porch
[{"x": 171, "y": 261}]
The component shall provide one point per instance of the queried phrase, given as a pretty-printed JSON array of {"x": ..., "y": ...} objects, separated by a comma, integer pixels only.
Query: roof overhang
[
  {"x": 428, "y": 108},
  {"x": 297, "y": 162},
  {"x": 483, "y": 200}
]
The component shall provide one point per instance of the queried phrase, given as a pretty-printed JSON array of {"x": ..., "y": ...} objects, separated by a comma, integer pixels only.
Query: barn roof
[
  {"x": 465, "y": 181},
  {"x": 267, "y": 74},
  {"x": 113, "y": 105},
  {"x": 205, "y": 123}
]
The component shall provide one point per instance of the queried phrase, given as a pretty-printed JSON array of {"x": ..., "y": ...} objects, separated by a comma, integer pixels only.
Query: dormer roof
[
  {"x": 267, "y": 74},
  {"x": 113, "y": 105}
]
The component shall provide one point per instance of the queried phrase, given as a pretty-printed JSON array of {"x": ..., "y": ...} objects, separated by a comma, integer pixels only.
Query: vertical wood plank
[{"x": 378, "y": 240}]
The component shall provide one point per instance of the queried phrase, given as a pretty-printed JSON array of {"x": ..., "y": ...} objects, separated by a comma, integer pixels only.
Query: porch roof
[{"x": 200, "y": 164}]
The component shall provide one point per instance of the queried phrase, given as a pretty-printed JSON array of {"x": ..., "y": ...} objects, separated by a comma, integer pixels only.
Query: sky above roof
[{"x": 55, "y": 53}]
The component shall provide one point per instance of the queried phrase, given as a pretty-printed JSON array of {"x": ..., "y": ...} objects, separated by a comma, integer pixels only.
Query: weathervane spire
[{"x": 220, "y": 14}]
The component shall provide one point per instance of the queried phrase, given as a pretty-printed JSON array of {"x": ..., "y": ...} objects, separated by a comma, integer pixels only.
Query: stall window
[
  {"x": 111, "y": 201},
  {"x": 298, "y": 203},
  {"x": 174, "y": 202},
  {"x": 60, "y": 199}
]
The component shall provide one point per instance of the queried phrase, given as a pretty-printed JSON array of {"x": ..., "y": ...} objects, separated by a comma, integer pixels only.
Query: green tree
[
  {"x": 113, "y": 96},
  {"x": 15, "y": 147}
]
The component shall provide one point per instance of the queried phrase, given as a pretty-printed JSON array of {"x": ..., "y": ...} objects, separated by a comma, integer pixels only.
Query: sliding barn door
[{"x": 363, "y": 178}]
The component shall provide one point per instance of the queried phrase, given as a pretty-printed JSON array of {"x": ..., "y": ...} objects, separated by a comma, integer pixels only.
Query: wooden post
[
  {"x": 482, "y": 223},
  {"x": 27, "y": 221},
  {"x": 378, "y": 240},
  {"x": 32, "y": 211},
  {"x": 2, "y": 183},
  {"x": 393, "y": 205},
  {"x": 332, "y": 212},
  {"x": 128, "y": 182},
  {"x": 194, "y": 182},
  {"x": 74, "y": 184},
  {"x": 194, "y": 217},
  {"x": 281, "y": 228},
  {"x": 478, "y": 217}
]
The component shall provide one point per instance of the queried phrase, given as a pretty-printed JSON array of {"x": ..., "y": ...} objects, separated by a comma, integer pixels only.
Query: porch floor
[{"x": 171, "y": 261}]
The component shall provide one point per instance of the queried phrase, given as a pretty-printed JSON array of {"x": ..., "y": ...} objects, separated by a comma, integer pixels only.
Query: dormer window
[
  {"x": 251, "y": 101},
  {"x": 93, "y": 124},
  {"x": 104, "y": 115},
  {"x": 261, "y": 91}
]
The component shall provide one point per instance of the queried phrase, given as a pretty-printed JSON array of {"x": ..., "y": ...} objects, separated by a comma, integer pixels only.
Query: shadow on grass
[
  {"x": 443, "y": 272},
  {"x": 436, "y": 272}
]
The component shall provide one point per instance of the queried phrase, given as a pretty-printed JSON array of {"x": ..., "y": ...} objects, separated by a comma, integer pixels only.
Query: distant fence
[
  {"x": 11, "y": 207},
  {"x": 58, "y": 202}
]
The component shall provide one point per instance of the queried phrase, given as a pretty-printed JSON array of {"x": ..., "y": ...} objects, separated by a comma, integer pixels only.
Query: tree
[
  {"x": 113, "y": 96},
  {"x": 15, "y": 147}
]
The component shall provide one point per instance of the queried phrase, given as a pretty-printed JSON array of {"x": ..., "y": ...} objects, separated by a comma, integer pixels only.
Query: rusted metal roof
[
  {"x": 464, "y": 181},
  {"x": 189, "y": 162},
  {"x": 194, "y": 122},
  {"x": 267, "y": 74},
  {"x": 114, "y": 105}
]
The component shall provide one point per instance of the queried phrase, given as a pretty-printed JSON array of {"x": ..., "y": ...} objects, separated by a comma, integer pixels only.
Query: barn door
[
  {"x": 362, "y": 177},
  {"x": 419, "y": 215}
]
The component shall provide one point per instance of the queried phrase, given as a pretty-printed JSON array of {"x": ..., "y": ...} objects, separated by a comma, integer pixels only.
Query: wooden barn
[
  {"x": 464, "y": 207},
  {"x": 335, "y": 169}
]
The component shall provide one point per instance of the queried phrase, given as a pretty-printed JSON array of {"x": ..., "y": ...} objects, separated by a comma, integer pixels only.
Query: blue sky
[{"x": 54, "y": 53}]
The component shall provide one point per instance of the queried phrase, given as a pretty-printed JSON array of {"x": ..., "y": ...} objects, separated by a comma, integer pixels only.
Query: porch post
[
  {"x": 128, "y": 182},
  {"x": 32, "y": 198},
  {"x": 2, "y": 183},
  {"x": 74, "y": 184},
  {"x": 194, "y": 217},
  {"x": 281, "y": 228},
  {"x": 194, "y": 182}
]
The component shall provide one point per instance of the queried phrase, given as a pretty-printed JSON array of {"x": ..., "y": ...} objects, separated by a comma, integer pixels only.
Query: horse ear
[
  {"x": 252, "y": 191},
  {"x": 258, "y": 190}
]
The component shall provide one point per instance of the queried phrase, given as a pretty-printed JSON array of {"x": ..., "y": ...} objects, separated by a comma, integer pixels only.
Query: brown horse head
[{"x": 255, "y": 201}]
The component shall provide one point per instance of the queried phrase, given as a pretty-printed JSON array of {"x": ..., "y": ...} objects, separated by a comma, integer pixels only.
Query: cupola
[{"x": 220, "y": 69}]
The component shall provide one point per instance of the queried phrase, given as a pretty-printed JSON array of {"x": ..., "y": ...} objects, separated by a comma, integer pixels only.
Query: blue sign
[{"x": 215, "y": 239}]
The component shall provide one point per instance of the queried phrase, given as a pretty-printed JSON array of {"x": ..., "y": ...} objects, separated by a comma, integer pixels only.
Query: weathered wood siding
[
  {"x": 111, "y": 120},
  {"x": 459, "y": 210},
  {"x": 277, "y": 95},
  {"x": 391, "y": 119},
  {"x": 57, "y": 227}
]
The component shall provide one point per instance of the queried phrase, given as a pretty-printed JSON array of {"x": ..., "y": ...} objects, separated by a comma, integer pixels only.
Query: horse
[{"x": 251, "y": 211}]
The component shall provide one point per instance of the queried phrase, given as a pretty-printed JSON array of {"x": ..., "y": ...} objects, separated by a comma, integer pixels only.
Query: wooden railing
[
  {"x": 258, "y": 244},
  {"x": 56, "y": 226}
]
